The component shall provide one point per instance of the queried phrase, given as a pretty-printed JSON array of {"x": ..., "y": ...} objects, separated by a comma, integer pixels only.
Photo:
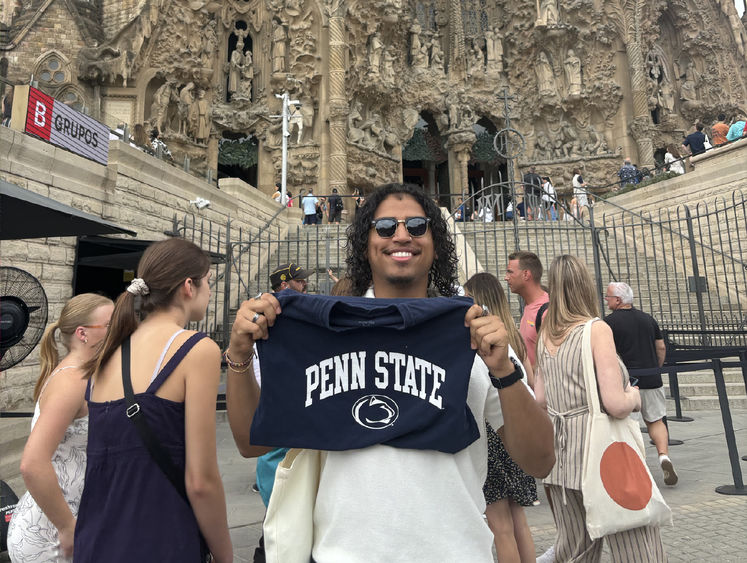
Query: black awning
[
  {"x": 121, "y": 254},
  {"x": 25, "y": 214}
]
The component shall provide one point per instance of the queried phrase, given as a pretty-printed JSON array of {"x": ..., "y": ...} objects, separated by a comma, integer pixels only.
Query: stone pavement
[{"x": 708, "y": 527}]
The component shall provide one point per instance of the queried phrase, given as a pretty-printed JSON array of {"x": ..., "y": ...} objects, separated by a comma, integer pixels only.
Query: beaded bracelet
[{"x": 236, "y": 367}]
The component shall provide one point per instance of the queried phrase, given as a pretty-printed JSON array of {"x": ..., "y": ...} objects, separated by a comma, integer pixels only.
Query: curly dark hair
[{"x": 443, "y": 272}]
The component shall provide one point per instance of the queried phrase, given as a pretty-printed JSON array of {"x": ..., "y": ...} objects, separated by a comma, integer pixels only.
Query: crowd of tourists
[{"x": 406, "y": 429}]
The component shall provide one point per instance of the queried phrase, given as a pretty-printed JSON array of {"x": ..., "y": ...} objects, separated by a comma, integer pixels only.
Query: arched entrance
[{"x": 425, "y": 161}]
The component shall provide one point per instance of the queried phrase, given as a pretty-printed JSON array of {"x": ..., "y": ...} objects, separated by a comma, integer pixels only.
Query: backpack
[
  {"x": 538, "y": 318},
  {"x": 338, "y": 204}
]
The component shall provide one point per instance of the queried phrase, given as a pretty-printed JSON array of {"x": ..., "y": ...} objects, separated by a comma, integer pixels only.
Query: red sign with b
[{"x": 39, "y": 116}]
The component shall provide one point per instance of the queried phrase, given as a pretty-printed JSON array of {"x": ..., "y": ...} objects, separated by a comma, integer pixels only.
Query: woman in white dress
[
  {"x": 673, "y": 162},
  {"x": 54, "y": 459}
]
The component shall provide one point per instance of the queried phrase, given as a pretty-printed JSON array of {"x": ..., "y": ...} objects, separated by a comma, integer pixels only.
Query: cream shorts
[{"x": 653, "y": 404}]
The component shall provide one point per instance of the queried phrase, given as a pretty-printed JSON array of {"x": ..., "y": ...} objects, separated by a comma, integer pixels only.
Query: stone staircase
[{"x": 698, "y": 392}]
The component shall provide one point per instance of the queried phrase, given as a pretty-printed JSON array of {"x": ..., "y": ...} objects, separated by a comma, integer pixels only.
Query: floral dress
[{"x": 31, "y": 536}]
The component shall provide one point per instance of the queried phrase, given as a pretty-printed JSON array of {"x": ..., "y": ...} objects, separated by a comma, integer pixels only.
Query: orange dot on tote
[{"x": 625, "y": 477}]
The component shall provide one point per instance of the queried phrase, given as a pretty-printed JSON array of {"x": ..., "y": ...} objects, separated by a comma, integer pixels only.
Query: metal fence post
[
  {"x": 705, "y": 340},
  {"x": 731, "y": 443},
  {"x": 227, "y": 285},
  {"x": 596, "y": 244}
]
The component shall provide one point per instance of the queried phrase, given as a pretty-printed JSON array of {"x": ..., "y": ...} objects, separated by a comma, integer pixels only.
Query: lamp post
[{"x": 285, "y": 116}]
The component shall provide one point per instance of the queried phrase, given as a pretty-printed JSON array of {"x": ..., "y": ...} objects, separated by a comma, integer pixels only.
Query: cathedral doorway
[
  {"x": 487, "y": 169},
  {"x": 425, "y": 161},
  {"x": 238, "y": 157}
]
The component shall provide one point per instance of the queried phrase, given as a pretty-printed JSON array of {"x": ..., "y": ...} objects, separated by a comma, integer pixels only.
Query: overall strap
[
  {"x": 136, "y": 415},
  {"x": 174, "y": 361}
]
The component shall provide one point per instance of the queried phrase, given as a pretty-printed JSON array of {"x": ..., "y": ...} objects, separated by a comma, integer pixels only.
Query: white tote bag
[
  {"x": 618, "y": 489},
  {"x": 289, "y": 522}
]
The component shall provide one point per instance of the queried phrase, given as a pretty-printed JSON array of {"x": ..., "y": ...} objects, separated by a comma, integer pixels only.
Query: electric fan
[{"x": 23, "y": 315}]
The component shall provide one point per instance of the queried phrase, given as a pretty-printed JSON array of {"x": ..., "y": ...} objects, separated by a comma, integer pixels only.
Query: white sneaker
[
  {"x": 548, "y": 556},
  {"x": 670, "y": 475}
]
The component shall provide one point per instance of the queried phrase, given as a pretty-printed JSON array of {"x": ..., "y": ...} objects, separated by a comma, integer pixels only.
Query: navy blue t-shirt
[
  {"x": 341, "y": 373},
  {"x": 696, "y": 142}
]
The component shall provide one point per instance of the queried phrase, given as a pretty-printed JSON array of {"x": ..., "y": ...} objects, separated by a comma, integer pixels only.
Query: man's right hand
[{"x": 253, "y": 320}]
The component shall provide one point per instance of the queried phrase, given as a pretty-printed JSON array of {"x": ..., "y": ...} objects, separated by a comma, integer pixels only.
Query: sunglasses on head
[{"x": 387, "y": 226}]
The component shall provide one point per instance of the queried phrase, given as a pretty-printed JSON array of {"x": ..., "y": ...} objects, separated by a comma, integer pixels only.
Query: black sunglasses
[{"x": 387, "y": 226}]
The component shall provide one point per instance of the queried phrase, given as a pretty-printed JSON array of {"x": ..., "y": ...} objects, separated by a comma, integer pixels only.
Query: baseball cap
[{"x": 285, "y": 272}]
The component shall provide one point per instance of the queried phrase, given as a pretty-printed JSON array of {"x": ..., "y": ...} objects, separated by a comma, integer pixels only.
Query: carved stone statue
[
  {"x": 159, "y": 109},
  {"x": 201, "y": 112},
  {"x": 186, "y": 98},
  {"x": 279, "y": 39},
  {"x": 545, "y": 77},
  {"x": 374, "y": 54},
  {"x": 571, "y": 144},
  {"x": 209, "y": 44},
  {"x": 247, "y": 75},
  {"x": 437, "y": 55},
  {"x": 418, "y": 54},
  {"x": 595, "y": 143},
  {"x": 235, "y": 66},
  {"x": 373, "y": 132},
  {"x": 387, "y": 67},
  {"x": 688, "y": 89},
  {"x": 494, "y": 49},
  {"x": 355, "y": 133},
  {"x": 572, "y": 65},
  {"x": 476, "y": 61},
  {"x": 542, "y": 148},
  {"x": 548, "y": 12},
  {"x": 667, "y": 96}
]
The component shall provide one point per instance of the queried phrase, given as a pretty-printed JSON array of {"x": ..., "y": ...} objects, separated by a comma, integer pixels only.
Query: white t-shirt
[
  {"x": 548, "y": 192},
  {"x": 579, "y": 191},
  {"x": 486, "y": 214},
  {"x": 392, "y": 504},
  {"x": 309, "y": 204}
]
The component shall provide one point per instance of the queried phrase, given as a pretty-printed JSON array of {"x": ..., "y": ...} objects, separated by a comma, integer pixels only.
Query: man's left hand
[{"x": 489, "y": 337}]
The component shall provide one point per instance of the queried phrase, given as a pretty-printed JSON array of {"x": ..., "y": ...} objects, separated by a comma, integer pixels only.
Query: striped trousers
[{"x": 573, "y": 544}]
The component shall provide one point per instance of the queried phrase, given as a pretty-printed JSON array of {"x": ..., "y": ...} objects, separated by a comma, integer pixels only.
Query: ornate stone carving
[
  {"x": 548, "y": 13},
  {"x": 546, "y": 85},
  {"x": 374, "y": 54},
  {"x": 572, "y": 66},
  {"x": 279, "y": 46}
]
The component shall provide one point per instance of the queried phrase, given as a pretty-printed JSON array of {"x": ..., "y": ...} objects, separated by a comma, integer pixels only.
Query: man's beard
[{"x": 401, "y": 281}]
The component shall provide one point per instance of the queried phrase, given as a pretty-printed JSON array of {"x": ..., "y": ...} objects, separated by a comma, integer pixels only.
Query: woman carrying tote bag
[{"x": 560, "y": 384}]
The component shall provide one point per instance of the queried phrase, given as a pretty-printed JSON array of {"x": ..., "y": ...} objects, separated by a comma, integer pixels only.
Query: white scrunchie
[{"x": 138, "y": 287}]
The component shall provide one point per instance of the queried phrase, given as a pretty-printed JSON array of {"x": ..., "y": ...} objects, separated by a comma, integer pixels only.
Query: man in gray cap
[{"x": 289, "y": 276}]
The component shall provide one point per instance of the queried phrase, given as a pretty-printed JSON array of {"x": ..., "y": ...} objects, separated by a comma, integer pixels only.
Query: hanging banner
[{"x": 61, "y": 125}]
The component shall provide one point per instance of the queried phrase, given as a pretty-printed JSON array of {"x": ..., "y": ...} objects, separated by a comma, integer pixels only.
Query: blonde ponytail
[
  {"x": 49, "y": 356},
  {"x": 76, "y": 312}
]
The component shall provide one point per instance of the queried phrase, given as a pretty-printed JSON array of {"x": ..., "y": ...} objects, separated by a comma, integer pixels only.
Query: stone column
[
  {"x": 338, "y": 102},
  {"x": 641, "y": 125},
  {"x": 459, "y": 146}
]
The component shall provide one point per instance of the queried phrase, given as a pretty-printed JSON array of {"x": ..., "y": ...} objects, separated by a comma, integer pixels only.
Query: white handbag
[
  {"x": 618, "y": 489},
  {"x": 289, "y": 523}
]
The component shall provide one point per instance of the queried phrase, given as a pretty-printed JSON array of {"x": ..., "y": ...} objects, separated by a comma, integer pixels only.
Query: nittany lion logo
[{"x": 375, "y": 411}]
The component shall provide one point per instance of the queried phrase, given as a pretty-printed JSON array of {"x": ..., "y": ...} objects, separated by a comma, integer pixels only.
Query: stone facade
[
  {"x": 135, "y": 190},
  {"x": 591, "y": 81}
]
